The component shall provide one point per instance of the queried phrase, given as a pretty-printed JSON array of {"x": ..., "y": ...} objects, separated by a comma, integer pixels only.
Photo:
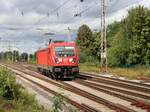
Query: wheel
[
  {"x": 44, "y": 72},
  {"x": 56, "y": 77},
  {"x": 38, "y": 69},
  {"x": 52, "y": 77},
  {"x": 73, "y": 78}
]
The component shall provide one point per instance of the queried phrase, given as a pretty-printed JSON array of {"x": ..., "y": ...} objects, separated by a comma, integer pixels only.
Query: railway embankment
[
  {"x": 36, "y": 98},
  {"x": 14, "y": 97}
]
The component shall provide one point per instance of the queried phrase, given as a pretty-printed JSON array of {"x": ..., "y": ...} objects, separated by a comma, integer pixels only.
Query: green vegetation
[
  {"x": 137, "y": 72},
  {"x": 128, "y": 44},
  {"x": 13, "y": 97},
  {"x": 15, "y": 56},
  {"x": 89, "y": 67},
  {"x": 58, "y": 101}
]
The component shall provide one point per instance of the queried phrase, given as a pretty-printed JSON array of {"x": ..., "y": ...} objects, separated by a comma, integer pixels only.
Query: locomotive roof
[
  {"x": 62, "y": 44},
  {"x": 58, "y": 44}
]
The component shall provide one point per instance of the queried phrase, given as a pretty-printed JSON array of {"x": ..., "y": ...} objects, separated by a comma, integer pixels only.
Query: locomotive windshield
[{"x": 64, "y": 51}]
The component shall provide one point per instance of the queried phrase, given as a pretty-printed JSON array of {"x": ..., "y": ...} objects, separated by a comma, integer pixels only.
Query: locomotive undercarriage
[{"x": 60, "y": 72}]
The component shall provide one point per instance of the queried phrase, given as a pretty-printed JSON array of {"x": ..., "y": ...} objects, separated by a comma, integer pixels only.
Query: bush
[
  {"x": 59, "y": 104},
  {"x": 88, "y": 59},
  {"x": 9, "y": 89},
  {"x": 82, "y": 57},
  {"x": 13, "y": 97},
  {"x": 58, "y": 101}
]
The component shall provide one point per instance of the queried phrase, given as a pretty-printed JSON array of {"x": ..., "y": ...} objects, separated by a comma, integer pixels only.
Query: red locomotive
[{"x": 59, "y": 60}]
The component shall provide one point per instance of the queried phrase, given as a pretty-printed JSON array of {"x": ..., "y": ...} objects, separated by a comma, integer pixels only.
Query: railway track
[
  {"x": 111, "y": 105},
  {"x": 96, "y": 76},
  {"x": 123, "y": 94},
  {"x": 105, "y": 84},
  {"x": 117, "y": 107},
  {"x": 84, "y": 75},
  {"x": 82, "y": 107},
  {"x": 136, "y": 90},
  {"x": 130, "y": 87},
  {"x": 134, "y": 100}
]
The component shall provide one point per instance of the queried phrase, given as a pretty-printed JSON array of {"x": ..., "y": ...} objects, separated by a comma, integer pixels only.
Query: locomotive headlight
[
  {"x": 70, "y": 60},
  {"x": 60, "y": 59},
  {"x": 56, "y": 60},
  {"x": 73, "y": 60}
]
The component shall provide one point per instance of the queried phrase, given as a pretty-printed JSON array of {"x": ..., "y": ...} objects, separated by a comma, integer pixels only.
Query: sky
[{"x": 25, "y": 23}]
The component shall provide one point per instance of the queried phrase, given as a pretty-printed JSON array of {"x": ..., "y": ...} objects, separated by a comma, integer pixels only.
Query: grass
[
  {"x": 132, "y": 73},
  {"x": 138, "y": 72},
  {"x": 15, "y": 106},
  {"x": 13, "y": 97},
  {"x": 88, "y": 67}
]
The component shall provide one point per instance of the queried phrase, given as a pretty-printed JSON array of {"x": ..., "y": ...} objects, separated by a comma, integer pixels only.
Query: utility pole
[
  {"x": 9, "y": 50},
  {"x": 69, "y": 35},
  {"x": 0, "y": 51},
  {"x": 103, "y": 50},
  {"x": 10, "y": 55}
]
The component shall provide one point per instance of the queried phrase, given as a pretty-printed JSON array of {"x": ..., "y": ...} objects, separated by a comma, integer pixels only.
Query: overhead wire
[
  {"x": 56, "y": 9},
  {"x": 83, "y": 11},
  {"x": 89, "y": 8},
  {"x": 60, "y": 6}
]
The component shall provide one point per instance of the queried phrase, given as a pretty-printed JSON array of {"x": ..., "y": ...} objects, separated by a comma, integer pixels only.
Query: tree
[
  {"x": 137, "y": 32},
  {"x": 96, "y": 45},
  {"x": 24, "y": 56},
  {"x": 1, "y": 55},
  {"x": 15, "y": 55},
  {"x": 85, "y": 39},
  {"x": 146, "y": 35},
  {"x": 128, "y": 41},
  {"x": 118, "y": 53},
  {"x": 31, "y": 56},
  {"x": 112, "y": 31},
  {"x": 8, "y": 55}
]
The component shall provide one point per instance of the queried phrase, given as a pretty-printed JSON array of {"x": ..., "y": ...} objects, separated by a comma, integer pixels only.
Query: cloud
[{"x": 28, "y": 20}]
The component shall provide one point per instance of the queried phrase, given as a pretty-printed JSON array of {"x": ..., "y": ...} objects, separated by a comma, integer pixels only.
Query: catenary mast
[{"x": 103, "y": 50}]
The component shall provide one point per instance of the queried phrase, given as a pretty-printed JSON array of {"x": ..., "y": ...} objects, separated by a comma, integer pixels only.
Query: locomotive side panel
[
  {"x": 51, "y": 59},
  {"x": 43, "y": 57}
]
